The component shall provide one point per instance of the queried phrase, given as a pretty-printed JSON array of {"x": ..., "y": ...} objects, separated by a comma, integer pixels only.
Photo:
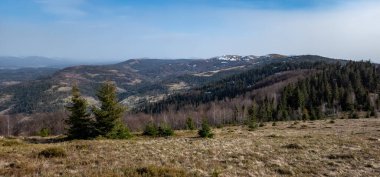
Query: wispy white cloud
[
  {"x": 63, "y": 8},
  {"x": 350, "y": 31}
]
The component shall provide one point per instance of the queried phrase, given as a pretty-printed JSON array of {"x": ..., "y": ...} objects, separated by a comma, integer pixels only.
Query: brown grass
[{"x": 348, "y": 148}]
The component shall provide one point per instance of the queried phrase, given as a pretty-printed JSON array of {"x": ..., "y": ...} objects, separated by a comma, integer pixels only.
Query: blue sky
[{"x": 123, "y": 29}]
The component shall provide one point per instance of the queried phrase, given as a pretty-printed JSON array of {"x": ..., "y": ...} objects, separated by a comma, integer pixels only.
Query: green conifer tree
[
  {"x": 108, "y": 116},
  {"x": 252, "y": 117},
  {"x": 205, "y": 131},
  {"x": 190, "y": 124},
  {"x": 80, "y": 125}
]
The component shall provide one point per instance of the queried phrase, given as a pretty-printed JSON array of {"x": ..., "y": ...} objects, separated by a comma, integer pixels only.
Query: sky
[{"x": 125, "y": 29}]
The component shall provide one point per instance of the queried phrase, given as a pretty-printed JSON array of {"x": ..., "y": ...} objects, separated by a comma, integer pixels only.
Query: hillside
[
  {"x": 139, "y": 81},
  {"x": 343, "y": 147},
  {"x": 276, "y": 92},
  {"x": 16, "y": 76}
]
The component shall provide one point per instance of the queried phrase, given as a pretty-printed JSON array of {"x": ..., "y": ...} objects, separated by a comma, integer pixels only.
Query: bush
[
  {"x": 284, "y": 171},
  {"x": 150, "y": 129},
  {"x": 205, "y": 131},
  {"x": 353, "y": 115},
  {"x": 119, "y": 132},
  {"x": 252, "y": 124},
  {"x": 293, "y": 146},
  {"x": 153, "y": 171},
  {"x": 190, "y": 124},
  {"x": 162, "y": 130},
  {"x": 165, "y": 130},
  {"x": 44, "y": 132},
  {"x": 305, "y": 114},
  {"x": 52, "y": 152}
]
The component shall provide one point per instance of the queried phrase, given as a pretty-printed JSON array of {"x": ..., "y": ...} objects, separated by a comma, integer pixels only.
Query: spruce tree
[
  {"x": 108, "y": 116},
  {"x": 80, "y": 125},
  {"x": 190, "y": 124},
  {"x": 252, "y": 117},
  {"x": 205, "y": 131}
]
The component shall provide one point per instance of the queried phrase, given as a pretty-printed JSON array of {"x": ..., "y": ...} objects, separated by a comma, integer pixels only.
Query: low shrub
[
  {"x": 293, "y": 146},
  {"x": 190, "y": 125},
  {"x": 163, "y": 130},
  {"x": 150, "y": 129},
  {"x": 44, "y": 132},
  {"x": 353, "y": 115},
  {"x": 120, "y": 131},
  {"x": 205, "y": 131},
  {"x": 284, "y": 171},
  {"x": 153, "y": 171},
  {"x": 252, "y": 124},
  {"x": 52, "y": 152},
  {"x": 304, "y": 127}
]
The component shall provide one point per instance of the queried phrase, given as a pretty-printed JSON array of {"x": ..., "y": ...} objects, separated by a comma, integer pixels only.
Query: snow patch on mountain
[{"x": 247, "y": 58}]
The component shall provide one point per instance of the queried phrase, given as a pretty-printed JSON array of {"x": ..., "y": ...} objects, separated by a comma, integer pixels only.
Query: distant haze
[{"x": 116, "y": 29}]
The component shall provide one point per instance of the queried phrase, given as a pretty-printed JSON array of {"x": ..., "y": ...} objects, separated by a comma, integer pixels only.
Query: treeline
[
  {"x": 340, "y": 89},
  {"x": 229, "y": 87},
  {"x": 337, "y": 88}
]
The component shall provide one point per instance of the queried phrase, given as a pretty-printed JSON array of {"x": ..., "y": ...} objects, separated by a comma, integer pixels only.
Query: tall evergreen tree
[
  {"x": 252, "y": 117},
  {"x": 81, "y": 126},
  {"x": 108, "y": 116}
]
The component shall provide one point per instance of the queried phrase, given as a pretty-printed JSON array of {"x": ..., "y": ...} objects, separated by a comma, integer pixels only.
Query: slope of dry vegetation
[{"x": 321, "y": 148}]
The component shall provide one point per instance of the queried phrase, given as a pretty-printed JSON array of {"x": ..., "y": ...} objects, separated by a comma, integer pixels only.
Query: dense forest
[
  {"x": 325, "y": 90},
  {"x": 349, "y": 88},
  {"x": 229, "y": 87}
]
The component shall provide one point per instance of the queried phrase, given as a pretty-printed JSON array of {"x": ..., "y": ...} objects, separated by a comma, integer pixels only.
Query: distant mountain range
[
  {"x": 139, "y": 81},
  {"x": 9, "y": 62}
]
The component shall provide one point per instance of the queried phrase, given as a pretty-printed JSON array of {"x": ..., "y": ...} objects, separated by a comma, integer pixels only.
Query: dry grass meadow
[{"x": 319, "y": 148}]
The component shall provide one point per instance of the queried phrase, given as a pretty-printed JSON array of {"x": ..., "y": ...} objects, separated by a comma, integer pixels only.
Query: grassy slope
[{"x": 343, "y": 148}]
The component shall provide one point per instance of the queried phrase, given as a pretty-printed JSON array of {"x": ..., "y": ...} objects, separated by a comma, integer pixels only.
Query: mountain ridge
[{"x": 138, "y": 80}]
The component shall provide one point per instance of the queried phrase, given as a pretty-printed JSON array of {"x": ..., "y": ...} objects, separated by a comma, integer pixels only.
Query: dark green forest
[
  {"x": 228, "y": 87},
  {"x": 349, "y": 87}
]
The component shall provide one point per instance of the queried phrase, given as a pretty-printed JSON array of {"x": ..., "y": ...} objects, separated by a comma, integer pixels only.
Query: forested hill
[
  {"x": 327, "y": 89},
  {"x": 232, "y": 86},
  {"x": 349, "y": 88}
]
